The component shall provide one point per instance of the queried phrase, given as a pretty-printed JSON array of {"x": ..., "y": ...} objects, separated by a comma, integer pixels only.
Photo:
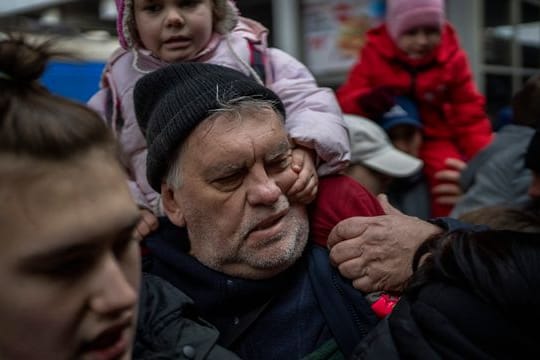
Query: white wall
[{"x": 466, "y": 16}]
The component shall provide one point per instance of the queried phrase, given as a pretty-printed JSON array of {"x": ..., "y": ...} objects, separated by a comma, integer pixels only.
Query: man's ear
[{"x": 172, "y": 208}]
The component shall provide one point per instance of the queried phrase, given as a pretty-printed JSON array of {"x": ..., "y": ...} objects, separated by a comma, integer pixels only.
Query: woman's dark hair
[
  {"x": 499, "y": 217},
  {"x": 501, "y": 267},
  {"x": 34, "y": 122}
]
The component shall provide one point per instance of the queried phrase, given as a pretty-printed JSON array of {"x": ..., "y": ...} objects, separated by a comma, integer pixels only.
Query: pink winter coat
[{"x": 314, "y": 118}]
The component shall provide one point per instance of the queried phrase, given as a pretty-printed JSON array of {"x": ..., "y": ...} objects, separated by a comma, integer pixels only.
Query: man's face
[
  {"x": 68, "y": 267},
  {"x": 235, "y": 173}
]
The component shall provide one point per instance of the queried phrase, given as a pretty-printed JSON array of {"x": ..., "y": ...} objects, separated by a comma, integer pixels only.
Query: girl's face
[
  {"x": 420, "y": 41},
  {"x": 174, "y": 30},
  {"x": 69, "y": 267}
]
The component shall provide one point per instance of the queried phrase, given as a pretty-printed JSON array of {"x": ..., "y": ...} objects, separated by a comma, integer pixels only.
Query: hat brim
[
  {"x": 395, "y": 163},
  {"x": 388, "y": 124}
]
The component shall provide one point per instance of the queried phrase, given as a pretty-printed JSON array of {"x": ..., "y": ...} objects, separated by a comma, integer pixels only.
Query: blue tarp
[{"x": 75, "y": 80}]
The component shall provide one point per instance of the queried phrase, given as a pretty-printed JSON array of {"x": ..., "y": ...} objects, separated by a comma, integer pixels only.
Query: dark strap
[
  {"x": 234, "y": 333},
  {"x": 346, "y": 311},
  {"x": 256, "y": 60}
]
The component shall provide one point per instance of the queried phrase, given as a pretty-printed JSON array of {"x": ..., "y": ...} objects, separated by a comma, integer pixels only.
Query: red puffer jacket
[{"x": 449, "y": 104}]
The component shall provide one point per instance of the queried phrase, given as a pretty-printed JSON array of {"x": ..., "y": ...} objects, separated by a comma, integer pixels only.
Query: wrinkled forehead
[{"x": 230, "y": 134}]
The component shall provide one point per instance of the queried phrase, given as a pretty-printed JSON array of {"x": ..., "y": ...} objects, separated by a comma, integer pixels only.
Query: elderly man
[{"x": 219, "y": 154}]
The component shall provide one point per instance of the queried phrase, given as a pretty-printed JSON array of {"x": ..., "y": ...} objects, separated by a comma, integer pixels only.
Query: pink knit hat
[
  {"x": 126, "y": 29},
  {"x": 403, "y": 15}
]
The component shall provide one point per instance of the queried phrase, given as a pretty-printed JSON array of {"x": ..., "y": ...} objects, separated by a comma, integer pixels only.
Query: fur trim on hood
[{"x": 225, "y": 16}]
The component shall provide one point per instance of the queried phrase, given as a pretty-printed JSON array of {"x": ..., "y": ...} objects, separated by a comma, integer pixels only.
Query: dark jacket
[
  {"x": 445, "y": 322},
  {"x": 497, "y": 175},
  {"x": 168, "y": 327},
  {"x": 473, "y": 298},
  {"x": 307, "y": 309}
]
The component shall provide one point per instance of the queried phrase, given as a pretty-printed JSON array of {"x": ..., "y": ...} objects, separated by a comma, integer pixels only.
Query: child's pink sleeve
[{"x": 314, "y": 119}]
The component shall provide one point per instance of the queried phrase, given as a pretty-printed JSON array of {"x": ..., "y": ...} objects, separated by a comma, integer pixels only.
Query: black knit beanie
[
  {"x": 532, "y": 157},
  {"x": 170, "y": 102}
]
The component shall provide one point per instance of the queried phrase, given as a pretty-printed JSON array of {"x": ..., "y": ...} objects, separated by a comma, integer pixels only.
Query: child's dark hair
[
  {"x": 499, "y": 217},
  {"x": 501, "y": 267},
  {"x": 35, "y": 123}
]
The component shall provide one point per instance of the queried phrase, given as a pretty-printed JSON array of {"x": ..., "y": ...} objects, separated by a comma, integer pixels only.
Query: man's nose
[{"x": 262, "y": 189}]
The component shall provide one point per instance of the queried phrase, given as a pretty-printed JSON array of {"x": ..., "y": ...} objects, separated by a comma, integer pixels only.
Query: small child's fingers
[
  {"x": 309, "y": 192},
  {"x": 448, "y": 175},
  {"x": 150, "y": 220},
  {"x": 447, "y": 200},
  {"x": 300, "y": 183},
  {"x": 456, "y": 164},
  {"x": 447, "y": 189},
  {"x": 297, "y": 160},
  {"x": 141, "y": 230}
]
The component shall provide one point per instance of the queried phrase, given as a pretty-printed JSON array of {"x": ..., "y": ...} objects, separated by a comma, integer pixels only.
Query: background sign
[{"x": 334, "y": 31}]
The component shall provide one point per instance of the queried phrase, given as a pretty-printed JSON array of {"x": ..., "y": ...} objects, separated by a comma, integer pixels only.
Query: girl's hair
[
  {"x": 499, "y": 217},
  {"x": 501, "y": 267},
  {"x": 35, "y": 123}
]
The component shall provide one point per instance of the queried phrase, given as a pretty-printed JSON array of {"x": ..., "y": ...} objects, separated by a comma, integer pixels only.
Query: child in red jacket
[{"x": 416, "y": 53}]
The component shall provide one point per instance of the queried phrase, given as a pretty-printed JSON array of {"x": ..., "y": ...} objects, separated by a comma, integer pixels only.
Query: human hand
[
  {"x": 305, "y": 187},
  {"x": 378, "y": 101},
  {"x": 448, "y": 192},
  {"x": 376, "y": 252},
  {"x": 146, "y": 225}
]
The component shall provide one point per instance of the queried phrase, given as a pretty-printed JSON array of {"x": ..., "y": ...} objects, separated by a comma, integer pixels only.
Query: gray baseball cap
[{"x": 371, "y": 147}]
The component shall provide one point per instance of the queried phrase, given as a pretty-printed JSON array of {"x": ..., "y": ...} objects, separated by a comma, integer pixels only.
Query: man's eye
[{"x": 229, "y": 182}]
